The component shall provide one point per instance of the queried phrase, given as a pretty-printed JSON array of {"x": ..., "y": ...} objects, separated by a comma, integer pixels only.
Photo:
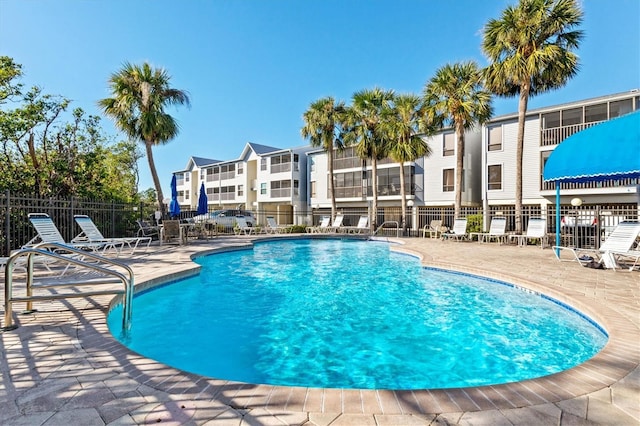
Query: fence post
[
  {"x": 7, "y": 224},
  {"x": 113, "y": 219}
]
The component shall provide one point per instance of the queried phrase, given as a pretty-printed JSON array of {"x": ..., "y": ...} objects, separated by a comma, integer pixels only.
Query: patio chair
[
  {"x": 497, "y": 231},
  {"x": 91, "y": 233},
  {"x": 273, "y": 227},
  {"x": 459, "y": 231},
  {"x": 361, "y": 228},
  {"x": 621, "y": 244},
  {"x": 170, "y": 231},
  {"x": 435, "y": 228},
  {"x": 241, "y": 226},
  {"x": 47, "y": 232},
  {"x": 536, "y": 230},
  {"x": 336, "y": 224},
  {"x": 145, "y": 229},
  {"x": 324, "y": 224}
]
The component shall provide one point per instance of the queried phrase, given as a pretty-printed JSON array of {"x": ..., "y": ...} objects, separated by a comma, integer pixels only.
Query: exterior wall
[
  {"x": 539, "y": 140},
  {"x": 437, "y": 162},
  {"x": 507, "y": 158}
]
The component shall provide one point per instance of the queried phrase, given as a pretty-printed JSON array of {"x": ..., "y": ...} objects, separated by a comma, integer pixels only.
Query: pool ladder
[
  {"x": 79, "y": 258},
  {"x": 389, "y": 222}
]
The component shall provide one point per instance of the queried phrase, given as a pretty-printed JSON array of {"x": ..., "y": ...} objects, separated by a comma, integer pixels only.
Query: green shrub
[
  {"x": 474, "y": 223},
  {"x": 296, "y": 229}
]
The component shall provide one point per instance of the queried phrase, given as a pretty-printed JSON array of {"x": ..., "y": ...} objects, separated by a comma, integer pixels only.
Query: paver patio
[{"x": 62, "y": 367}]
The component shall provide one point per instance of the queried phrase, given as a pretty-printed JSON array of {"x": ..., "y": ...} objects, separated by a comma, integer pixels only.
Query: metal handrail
[
  {"x": 388, "y": 222},
  {"x": 48, "y": 250}
]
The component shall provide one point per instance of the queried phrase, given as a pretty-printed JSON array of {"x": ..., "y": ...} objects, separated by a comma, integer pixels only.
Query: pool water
[{"x": 352, "y": 314}]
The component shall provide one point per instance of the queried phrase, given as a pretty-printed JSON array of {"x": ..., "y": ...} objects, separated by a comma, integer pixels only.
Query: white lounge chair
[
  {"x": 497, "y": 231},
  {"x": 536, "y": 230},
  {"x": 90, "y": 233},
  {"x": 324, "y": 224},
  {"x": 272, "y": 227},
  {"x": 361, "y": 228},
  {"x": 47, "y": 232},
  {"x": 241, "y": 226},
  {"x": 336, "y": 224},
  {"x": 459, "y": 231},
  {"x": 620, "y": 244}
]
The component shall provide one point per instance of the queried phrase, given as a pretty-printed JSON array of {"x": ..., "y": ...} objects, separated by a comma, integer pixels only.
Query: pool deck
[{"x": 62, "y": 367}]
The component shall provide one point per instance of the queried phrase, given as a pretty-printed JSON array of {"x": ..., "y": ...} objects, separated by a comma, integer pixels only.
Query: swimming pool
[{"x": 353, "y": 314}]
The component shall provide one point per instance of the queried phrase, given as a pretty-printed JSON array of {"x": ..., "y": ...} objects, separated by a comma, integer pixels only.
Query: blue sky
[{"x": 252, "y": 67}]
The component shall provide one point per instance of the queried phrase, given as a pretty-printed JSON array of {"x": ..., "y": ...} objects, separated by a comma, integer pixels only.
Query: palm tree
[
  {"x": 363, "y": 128},
  {"x": 456, "y": 96},
  {"x": 140, "y": 95},
  {"x": 530, "y": 49},
  {"x": 405, "y": 143},
  {"x": 322, "y": 127}
]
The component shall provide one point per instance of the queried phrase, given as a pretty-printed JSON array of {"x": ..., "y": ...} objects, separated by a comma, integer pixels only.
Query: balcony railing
[
  {"x": 556, "y": 135},
  {"x": 613, "y": 183},
  {"x": 279, "y": 168},
  {"x": 281, "y": 192}
]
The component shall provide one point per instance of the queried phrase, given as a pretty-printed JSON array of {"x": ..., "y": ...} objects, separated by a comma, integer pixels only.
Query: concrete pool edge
[{"x": 592, "y": 376}]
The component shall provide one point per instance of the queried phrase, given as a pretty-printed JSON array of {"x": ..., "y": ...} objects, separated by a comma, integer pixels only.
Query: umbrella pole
[{"x": 557, "y": 218}]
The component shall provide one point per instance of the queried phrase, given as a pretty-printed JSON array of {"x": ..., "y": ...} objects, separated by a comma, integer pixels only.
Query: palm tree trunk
[
  {"x": 403, "y": 196},
  {"x": 522, "y": 110},
  {"x": 332, "y": 183},
  {"x": 154, "y": 174},
  {"x": 459, "y": 167}
]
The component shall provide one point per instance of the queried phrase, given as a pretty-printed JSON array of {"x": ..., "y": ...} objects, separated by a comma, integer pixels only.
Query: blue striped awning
[{"x": 609, "y": 150}]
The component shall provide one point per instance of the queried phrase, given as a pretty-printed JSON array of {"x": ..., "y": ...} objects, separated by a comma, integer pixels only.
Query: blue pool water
[{"x": 352, "y": 314}]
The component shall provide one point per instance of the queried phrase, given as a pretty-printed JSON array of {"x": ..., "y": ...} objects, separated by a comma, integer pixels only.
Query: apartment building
[
  {"x": 288, "y": 183},
  {"x": 269, "y": 181},
  {"x": 545, "y": 128}
]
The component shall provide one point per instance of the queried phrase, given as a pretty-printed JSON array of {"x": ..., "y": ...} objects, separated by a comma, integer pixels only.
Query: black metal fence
[
  {"x": 113, "y": 219},
  {"x": 584, "y": 226}
]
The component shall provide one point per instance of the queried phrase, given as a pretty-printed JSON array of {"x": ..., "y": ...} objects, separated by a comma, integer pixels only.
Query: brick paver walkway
[{"x": 62, "y": 367}]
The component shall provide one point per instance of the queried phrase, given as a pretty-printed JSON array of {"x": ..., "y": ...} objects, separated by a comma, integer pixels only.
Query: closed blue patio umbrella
[
  {"x": 174, "y": 206},
  {"x": 203, "y": 202}
]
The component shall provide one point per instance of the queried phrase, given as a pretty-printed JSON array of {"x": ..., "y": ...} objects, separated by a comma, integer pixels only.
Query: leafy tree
[
  {"x": 363, "y": 127},
  {"x": 456, "y": 96},
  {"x": 140, "y": 95},
  {"x": 322, "y": 127},
  {"x": 531, "y": 52},
  {"x": 401, "y": 125},
  {"x": 45, "y": 152}
]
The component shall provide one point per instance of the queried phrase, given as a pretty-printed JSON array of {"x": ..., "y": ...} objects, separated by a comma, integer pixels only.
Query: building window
[
  {"x": 263, "y": 189},
  {"x": 618, "y": 108},
  {"x": 495, "y": 177},
  {"x": 594, "y": 113},
  {"x": 312, "y": 164},
  {"x": 263, "y": 164},
  {"x": 228, "y": 171},
  {"x": 495, "y": 139},
  {"x": 240, "y": 189},
  {"x": 313, "y": 189},
  {"x": 186, "y": 195},
  {"x": 240, "y": 168},
  {"x": 186, "y": 177},
  {"x": 572, "y": 117},
  {"x": 448, "y": 179},
  {"x": 551, "y": 120},
  {"x": 448, "y": 144}
]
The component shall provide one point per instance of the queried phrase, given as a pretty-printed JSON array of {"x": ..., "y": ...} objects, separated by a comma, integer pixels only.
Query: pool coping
[{"x": 591, "y": 376}]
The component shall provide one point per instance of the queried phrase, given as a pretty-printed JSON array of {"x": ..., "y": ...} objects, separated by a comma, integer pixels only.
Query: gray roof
[
  {"x": 262, "y": 149},
  {"x": 201, "y": 161}
]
